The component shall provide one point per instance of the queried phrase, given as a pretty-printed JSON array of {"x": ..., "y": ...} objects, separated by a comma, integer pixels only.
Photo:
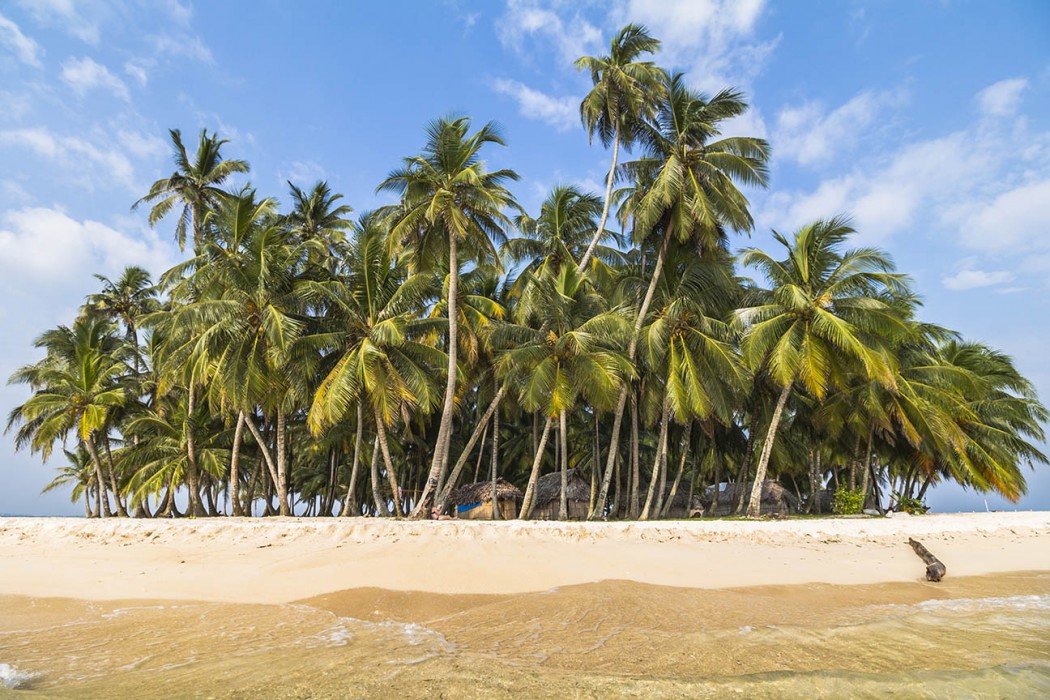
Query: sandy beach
[
  {"x": 363, "y": 608},
  {"x": 281, "y": 560}
]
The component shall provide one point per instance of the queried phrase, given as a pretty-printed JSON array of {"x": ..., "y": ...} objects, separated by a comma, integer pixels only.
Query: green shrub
[
  {"x": 848, "y": 502},
  {"x": 904, "y": 504}
]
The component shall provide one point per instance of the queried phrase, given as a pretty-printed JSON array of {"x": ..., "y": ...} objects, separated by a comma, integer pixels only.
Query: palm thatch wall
[
  {"x": 547, "y": 503},
  {"x": 480, "y": 495},
  {"x": 776, "y": 500}
]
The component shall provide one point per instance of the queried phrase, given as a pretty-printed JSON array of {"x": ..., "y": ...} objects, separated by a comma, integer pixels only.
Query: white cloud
[
  {"x": 571, "y": 38},
  {"x": 65, "y": 14},
  {"x": 46, "y": 248},
  {"x": 810, "y": 135},
  {"x": 1003, "y": 98},
  {"x": 302, "y": 173},
  {"x": 974, "y": 279},
  {"x": 138, "y": 71},
  {"x": 562, "y": 113},
  {"x": 77, "y": 157},
  {"x": 142, "y": 146},
  {"x": 712, "y": 40},
  {"x": 1015, "y": 221},
  {"x": 182, "y": 45},
  {"x": 27, "y": 50},
  {"x": 84, "y": 75}
]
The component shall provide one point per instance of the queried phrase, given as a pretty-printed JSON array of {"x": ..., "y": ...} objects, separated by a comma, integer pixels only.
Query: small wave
[
  {"x": 1017, "y": 602},
  {"x": 12, "y": 679}
]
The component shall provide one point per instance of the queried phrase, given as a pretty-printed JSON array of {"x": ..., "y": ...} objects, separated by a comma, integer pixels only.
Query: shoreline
[{"x": 284, "y": 560}]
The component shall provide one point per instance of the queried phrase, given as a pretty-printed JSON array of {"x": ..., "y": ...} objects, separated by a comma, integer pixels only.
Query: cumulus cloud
[
  {"x": 78, "y": 158},
  {"x": 1017, "y": 220},
  {"x": 84, "y": 75},
  {"x": 713, "y": 40},
  {"x": 810, "y": 134},
  {"x": 27, "y": 50},
  {"x": 562, "y": 113},
  {"x": 137, "y": 70},
  {"x": 571, "y": 37},
  {"x": 1003, "y": 98},
  {"x": 42, "y": 247},
  {"x": 975, "y": 279}
]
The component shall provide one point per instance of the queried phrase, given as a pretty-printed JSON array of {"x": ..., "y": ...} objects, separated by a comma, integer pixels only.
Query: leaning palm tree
[
  {"x": 686, "y": 192},
  {"x": 824, "y": 316},
  {"x": 449, "y": 203},
  {"x": 195, "y": 186},
  {"x": 624, "y": 94}
]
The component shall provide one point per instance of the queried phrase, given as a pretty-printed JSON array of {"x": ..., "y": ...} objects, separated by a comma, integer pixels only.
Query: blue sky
[{"x": 928, "y": 122}]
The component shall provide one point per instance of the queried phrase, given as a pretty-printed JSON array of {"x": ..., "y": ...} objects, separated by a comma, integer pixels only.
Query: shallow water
[{"x": 971, "y": 638}]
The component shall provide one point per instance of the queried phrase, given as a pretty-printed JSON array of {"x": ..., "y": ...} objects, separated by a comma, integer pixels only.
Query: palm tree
[
  {"x": 316, "y": 216},
  {"x": 370, "y": 322},
  {"x": 823, "y": 312},
  {"x": 624, "y": 94},
  {"x": 448, "y": 200},
  {"x": 127, "y": 300},
  {"x": 686, "y": 192},
  {"x": 572, "y": 355},
  {"x": 74, "y": 393},
  {"x": 196, "y": 186}
]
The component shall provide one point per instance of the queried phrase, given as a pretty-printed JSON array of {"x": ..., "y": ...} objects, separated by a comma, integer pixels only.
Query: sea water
[{"x": 976, "y": 638}]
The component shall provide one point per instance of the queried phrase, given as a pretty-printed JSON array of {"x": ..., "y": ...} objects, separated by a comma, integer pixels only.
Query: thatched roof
[
  {"x": 482, "y": 492},
  {"x": 772, "y": 492},
  {"x": 548, "y": 488}
]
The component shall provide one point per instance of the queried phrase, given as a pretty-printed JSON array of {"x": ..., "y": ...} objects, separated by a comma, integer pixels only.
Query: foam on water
[{"x": 12, "y": 679}]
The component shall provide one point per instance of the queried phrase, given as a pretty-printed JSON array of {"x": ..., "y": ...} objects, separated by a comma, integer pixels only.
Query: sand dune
[{"x": 281, "y": 560}]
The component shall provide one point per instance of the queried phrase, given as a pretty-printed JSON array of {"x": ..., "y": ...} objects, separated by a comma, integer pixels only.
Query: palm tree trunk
[
  {"x": 381, "y": 508},
  {"x": 195, "y": 508},
  {"x": 754, "y": 506},
  {"x": 121, "y": 510},
  {"x": 442, "y": 500},
  {"x": 481, "y": 453},
  {"x": 103, "y": 496},
  {"x": 865, "y": 481},
  {"x": 678, "y": 477},
  {"x": 745, "y": 465},
  {"x": 350, "y": 503},
  {"x": 632, "y": 351},
  {"x": 563, "y": 501},
  {"x": 608, "y": 200},
  {"x": 395, "y": 491},
  {"x": 658, "y": 463},
  {"x": 235, "y": 474},
  {"x": 814, "y": 482},
  {"x": 595, "y": 461},
  {"x": 263, "y": 448},
  {"x": 534, "y": 475},
  {"x": 496, "y": 513},
  {"x": 282, "y": 465},
  {"x": 440, "y": 459},
  {"x": 634, "y": 504}
]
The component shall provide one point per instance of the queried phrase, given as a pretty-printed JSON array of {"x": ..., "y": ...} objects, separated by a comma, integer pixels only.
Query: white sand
[{"x": 278, "y": 560}]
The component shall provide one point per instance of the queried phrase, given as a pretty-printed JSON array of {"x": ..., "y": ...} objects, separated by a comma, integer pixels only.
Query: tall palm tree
[
  {"x": 824, "y": 312},
  {"x": 686, "y": 191},
  {"x": 127, "y": 301},
  {"x": 624, "y": 94},
  {"x": 195, "y": 186},
  {"x": 371, "y": 325},
  {"x": 448, "y": 201}
]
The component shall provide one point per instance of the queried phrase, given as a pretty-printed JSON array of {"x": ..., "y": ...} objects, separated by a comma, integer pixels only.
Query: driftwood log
[{"x": 935, "y": 569}]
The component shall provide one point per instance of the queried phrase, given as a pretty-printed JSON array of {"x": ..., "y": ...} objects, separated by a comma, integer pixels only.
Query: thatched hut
[
  {"x": 547, "y": 501},
  {"x": 683, "y": 505},
  {"x": 776, "y": 500},
  {"x": 474, "y": 501}
]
